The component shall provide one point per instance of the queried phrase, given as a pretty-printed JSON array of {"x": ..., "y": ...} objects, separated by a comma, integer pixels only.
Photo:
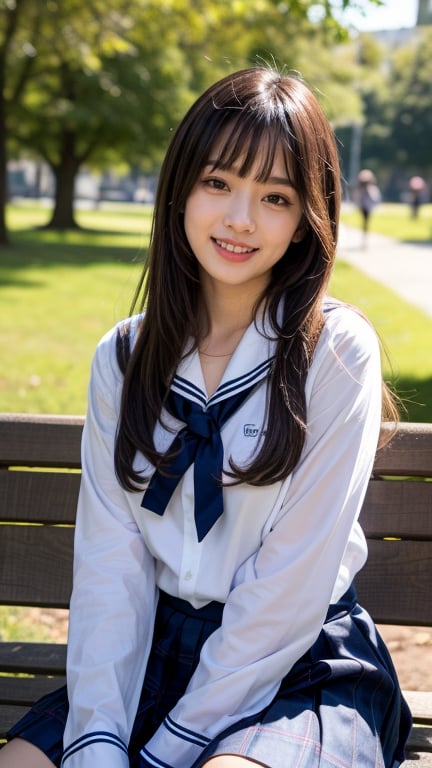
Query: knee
[
  {"x": 21, "y": 754},
  {"x": 232, "y": 761}
]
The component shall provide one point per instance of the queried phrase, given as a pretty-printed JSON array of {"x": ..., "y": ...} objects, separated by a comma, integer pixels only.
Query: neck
[
  {"x": 226, "y": 313},
  {"x": 221, "y": 341}
]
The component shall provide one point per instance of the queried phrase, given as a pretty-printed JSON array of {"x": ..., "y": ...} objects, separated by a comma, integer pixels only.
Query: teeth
[{"x": 233, "y": 248}]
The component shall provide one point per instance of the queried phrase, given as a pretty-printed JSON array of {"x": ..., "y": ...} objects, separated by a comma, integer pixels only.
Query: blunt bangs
[{"x": 250, "y": 143}]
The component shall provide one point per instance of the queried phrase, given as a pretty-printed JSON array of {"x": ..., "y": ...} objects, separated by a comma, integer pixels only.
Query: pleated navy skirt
[{"x": 340, "y": 706}]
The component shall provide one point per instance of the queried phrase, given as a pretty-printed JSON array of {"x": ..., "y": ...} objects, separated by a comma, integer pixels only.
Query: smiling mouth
[{"x": 233, "y": 248}]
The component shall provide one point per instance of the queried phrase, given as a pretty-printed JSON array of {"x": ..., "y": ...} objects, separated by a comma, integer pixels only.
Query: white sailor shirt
[{"x": 277, "y": 557}]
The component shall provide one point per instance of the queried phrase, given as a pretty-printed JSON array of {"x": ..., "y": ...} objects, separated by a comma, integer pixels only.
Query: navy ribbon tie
[{"x": 198, "y": 443}]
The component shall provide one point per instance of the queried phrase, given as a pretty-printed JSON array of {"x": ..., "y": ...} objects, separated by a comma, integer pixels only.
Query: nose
[{"x": 240, "y": 215}]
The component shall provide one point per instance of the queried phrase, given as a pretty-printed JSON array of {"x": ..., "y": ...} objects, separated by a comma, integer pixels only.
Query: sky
[{"x": 394, "y": 14}]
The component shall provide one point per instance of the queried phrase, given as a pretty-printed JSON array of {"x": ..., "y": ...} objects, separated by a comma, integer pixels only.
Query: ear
[{"x": 300, "y": 232}]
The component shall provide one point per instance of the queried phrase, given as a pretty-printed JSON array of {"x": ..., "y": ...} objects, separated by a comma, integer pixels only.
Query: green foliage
[
  {"x": 395, "y": 86},
  {"x": 91, "y": 81},
  {"x": 411, "y": 87}
]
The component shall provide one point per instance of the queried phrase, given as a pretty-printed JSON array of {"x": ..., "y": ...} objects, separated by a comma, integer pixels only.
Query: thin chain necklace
[
  {"x": 225, "y": 354},
  {"x": 208, "y": 354}
]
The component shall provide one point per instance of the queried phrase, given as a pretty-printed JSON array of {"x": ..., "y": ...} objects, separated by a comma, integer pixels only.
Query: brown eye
[
  {"x": 277, "y": 200},
  {"x": 216, "y": 184}
]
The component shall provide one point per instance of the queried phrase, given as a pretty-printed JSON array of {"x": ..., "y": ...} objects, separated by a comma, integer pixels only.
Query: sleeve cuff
[
  {"x": 96, "y": 748},
  {"x": 173, "y": 746}
]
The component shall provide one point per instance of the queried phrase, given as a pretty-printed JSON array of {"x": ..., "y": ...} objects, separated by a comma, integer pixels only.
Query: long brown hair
[{"x": 254, "y": 108}]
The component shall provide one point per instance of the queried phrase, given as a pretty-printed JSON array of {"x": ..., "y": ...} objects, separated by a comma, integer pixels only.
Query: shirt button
[{"x": 188, "y": 576}]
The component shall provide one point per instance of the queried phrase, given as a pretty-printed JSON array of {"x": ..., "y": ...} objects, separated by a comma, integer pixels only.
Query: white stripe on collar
[{"x": 189, "y": 390}]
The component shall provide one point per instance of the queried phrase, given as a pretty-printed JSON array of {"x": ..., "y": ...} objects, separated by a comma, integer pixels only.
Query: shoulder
[
  {"x": 107, "y": 360},
  {"x": 348, "y": 339},
  {"x": 345, "y": 321},
  {"x": 125, "y": 335},
  {"x": 123, "y": 332}
]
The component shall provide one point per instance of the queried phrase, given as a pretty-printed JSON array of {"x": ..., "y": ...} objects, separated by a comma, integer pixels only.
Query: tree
[
  {"x": 395, "y": 86},
  {"x": 364, "y": 140},
  {"x": 87, "y": 77},
  {"x": 411, "y": 89},
  {"x": 16, "y": 62}
]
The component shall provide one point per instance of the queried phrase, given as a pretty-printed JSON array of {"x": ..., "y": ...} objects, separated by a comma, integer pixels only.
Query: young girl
[{"x": 230, "y": 437}]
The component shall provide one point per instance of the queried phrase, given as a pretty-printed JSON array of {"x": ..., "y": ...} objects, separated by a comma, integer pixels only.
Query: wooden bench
[{"x": 39, "y": 479}]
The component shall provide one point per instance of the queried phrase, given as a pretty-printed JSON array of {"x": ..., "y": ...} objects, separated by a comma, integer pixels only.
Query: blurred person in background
[{"x": 366, "y": 196}]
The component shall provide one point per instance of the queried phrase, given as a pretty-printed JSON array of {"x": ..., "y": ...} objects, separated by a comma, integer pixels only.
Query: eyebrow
[{"x": 281, "y": 180}]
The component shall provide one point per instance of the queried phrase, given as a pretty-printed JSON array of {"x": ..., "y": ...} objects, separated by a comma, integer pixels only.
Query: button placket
[{"x": 190, "y": 558}]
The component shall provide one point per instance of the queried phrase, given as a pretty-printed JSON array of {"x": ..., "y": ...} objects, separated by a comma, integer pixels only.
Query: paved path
[{"x": 405, "y": 268}]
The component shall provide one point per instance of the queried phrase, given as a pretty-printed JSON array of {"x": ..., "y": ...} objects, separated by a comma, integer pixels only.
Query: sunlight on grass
[
  {"x": 394, "y": 220},
  {"x": 124, "y": 217},
  {"x": 120, "y": 226},
  {"x": 405, "y": 333},
  {"x": 63, "y": 311},
  {"x": 60, "y": 293}
]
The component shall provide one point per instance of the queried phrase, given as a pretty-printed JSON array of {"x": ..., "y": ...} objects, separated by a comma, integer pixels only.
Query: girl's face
[{"x": 239, "y": 228}]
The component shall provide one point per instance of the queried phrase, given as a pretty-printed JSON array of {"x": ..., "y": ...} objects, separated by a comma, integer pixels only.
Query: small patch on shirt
[{"x": 250, "y": 430}]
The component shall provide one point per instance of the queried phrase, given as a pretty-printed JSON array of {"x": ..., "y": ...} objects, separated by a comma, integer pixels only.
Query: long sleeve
[
  {"x": 114, "y": 594},
  {"x": 279, "y": 601}
]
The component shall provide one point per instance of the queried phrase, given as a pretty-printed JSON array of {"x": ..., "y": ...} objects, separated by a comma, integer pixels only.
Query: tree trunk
[
  {"x": 63, "y": 216},
  {"x": 4, "y": 239},
  {"x": 11, "y": 13}
]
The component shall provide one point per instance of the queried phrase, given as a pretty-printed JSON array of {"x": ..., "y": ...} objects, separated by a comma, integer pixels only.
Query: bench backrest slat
[
  {"x": 23, "y": 691},
  {"x": 36, "y": 565},
  {"x": 399, "y": 509},
  {"x": 40, "y": 441},
  {"x": 43, "y": 658},
  {"x": 39, "y": 497},
  {"x": 395, "y": 586},
  {"x": 408, "y": 453}
]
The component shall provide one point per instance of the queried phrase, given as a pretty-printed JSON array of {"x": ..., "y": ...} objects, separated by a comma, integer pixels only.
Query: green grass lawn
[
  {"x": 407, "y": 334},
  {"x": 61, "y": 292},
  {"x": 394, "y": 220}
]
